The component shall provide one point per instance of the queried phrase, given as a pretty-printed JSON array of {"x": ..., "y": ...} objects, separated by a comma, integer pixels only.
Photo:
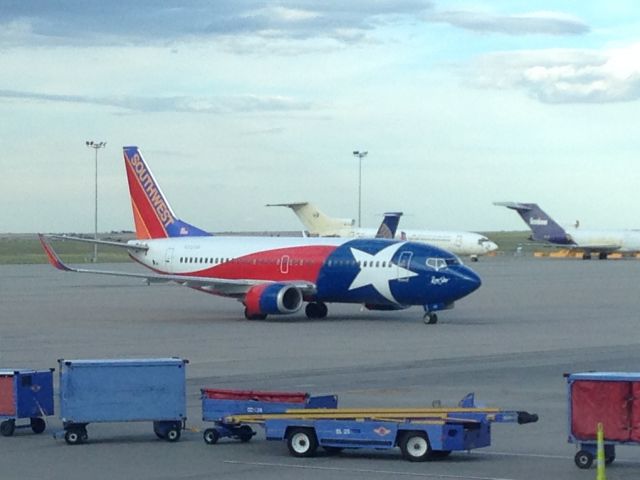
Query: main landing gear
[{"x": 316, "y": 310}]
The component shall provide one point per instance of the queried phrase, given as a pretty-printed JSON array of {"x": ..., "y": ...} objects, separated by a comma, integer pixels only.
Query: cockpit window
[
  {"x": 440, "y": 263},
  {"x": 483, "y": 240}
]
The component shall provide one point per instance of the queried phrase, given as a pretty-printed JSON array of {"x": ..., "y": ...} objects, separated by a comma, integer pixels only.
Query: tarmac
[{"x": 510, "y": 342}]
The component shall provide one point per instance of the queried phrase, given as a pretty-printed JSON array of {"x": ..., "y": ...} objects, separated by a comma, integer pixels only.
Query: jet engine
[{"x": 272, "y": 299}]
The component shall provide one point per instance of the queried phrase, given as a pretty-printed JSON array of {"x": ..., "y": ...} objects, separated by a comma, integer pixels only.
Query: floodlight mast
[
  {"x": 360, "y": 155},
  {"x": 96, "y": 146}
]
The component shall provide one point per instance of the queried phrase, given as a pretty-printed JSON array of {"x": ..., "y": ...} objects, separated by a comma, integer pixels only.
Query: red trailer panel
[
  {"x": 635, "y": 412},
  {"x": 605, "y": 402},
  {"x": 284, "y": 397},
  {"x": 7, "y": 399}
]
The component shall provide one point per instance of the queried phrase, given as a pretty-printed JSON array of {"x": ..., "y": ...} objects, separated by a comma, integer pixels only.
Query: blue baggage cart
[
  {"x": 217, "y": 404},
  {"x": 123, "y": 390},
  {"x": 420, "y": 433},
  {"x": 25, "y": 394},
  {"x": 609, "y": 398}
]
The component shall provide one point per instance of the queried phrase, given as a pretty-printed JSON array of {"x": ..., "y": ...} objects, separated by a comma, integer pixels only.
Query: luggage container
[
  {"x": 218, "y": 404},
  {"x": 420, "y": 433},
  {"x": 123, "y": 390},
  {"x": 25, "y": 394},
  {"x": 610, "y": 398}
]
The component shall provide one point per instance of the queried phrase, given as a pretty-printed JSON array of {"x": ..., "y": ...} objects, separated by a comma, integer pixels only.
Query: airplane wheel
[
  {"x": 430, "y": 318},
  {"x": 602, "y": 256},
  {"x": 586, "y": 256}
]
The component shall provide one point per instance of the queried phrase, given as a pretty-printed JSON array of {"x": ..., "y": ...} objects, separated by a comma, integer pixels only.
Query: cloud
[
  {"x": 565, "y": 76},
  {"x": 546, "y": 23},
  {"x": 117, "y": 22},
  {"x": 182, "y": 104}
]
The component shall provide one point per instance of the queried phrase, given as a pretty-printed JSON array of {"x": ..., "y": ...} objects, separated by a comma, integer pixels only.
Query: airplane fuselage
[
  {"x": 460, "y": 243},
  {"x": 369, "y": 271}
]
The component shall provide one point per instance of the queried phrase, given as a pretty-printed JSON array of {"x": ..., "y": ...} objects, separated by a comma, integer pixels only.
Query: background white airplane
[
  {"x": 458, "y": 242},
  {"x": 545, "y": 229}
]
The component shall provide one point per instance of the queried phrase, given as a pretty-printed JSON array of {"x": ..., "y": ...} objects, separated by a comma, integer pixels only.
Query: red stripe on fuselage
[
  {"x": 139, "y": 197},
  {"x": 282, "y": 264}
]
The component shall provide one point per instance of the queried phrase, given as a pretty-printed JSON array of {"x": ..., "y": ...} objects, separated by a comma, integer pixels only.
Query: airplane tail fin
[
  {"x": 542, "y": 226},
  {"x": 389, "y": 225},
  {"x": 316, "y": 222},
  {"x": 152, "y": 214}
]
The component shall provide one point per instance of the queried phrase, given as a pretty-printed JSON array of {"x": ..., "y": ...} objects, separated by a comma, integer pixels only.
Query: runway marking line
[{"x": 363, "y": 470}]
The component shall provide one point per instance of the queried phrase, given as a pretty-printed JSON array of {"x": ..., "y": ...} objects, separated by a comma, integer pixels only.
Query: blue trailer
[
  {"x": 609, "y": 398},
  {"x": 217, "y": 404},
  {"x": 25, "y": 394},
  {"x": 123, "y": 390},
  {"x": 420, "y": 433}
]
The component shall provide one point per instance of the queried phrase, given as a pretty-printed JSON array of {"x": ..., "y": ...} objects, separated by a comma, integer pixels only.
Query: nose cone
[
  {"x": 469, "y": 281},
  {"x": 490, "y": 246}
]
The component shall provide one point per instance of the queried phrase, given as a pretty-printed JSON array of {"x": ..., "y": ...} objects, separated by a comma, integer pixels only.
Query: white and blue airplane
[
  {"x": 277, "y": 275},
  {"x": 320, "y": 224},
  {"x": 601, "y": 242}
]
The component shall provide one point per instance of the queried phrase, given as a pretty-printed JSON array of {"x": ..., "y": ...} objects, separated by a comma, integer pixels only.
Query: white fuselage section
[
  {"x": 614, "y": 240},
  {"x": 460, "y": 243}
]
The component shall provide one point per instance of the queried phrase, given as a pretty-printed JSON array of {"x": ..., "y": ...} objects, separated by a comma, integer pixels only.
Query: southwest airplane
[
  {"x": 276, "y": 275},
  {"x": 602, "y": 242},
  {"x": 320, "y": 224}
]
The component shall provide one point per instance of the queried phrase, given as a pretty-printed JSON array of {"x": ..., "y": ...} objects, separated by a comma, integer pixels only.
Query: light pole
[
  {"x": 96, "y": 146},
  {"x": 360, "y": 156}
]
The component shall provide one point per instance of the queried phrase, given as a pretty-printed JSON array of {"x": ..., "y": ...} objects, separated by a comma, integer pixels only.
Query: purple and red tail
[{"x": 152, "y": 215}]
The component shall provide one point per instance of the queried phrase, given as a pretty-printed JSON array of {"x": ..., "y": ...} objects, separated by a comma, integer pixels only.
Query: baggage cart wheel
[
  {"x": 302, "y": 442},
  {"x": 245, "y": 432},
  {"x": 609, "y": 460},
  {"x": 211, "y": 436},
  {"x": 38, "y": 425},
  {"x": 7, "y": 428},
  {"x": 173, "y": 434},
  {"x": 415, "y": 447},
  {"x": 584, "y": 459},
  {"x": 75, "y": 436}
]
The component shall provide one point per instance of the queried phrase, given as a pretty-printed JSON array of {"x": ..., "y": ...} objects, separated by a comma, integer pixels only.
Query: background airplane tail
[
  {"x": 542, "y": 226},
  {"x": 316, "y": 222},
  {"x": 389, "y": 225},
  {"x": 152, "y": 214}
]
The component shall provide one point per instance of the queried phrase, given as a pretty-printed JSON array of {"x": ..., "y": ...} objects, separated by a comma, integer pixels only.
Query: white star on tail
[{"x": 379, "y": 277}]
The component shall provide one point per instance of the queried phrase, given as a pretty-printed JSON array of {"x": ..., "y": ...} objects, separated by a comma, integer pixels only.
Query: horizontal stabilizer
[
  {"x": 99, "y": 242},
  {"x": 514, "y": 205}
]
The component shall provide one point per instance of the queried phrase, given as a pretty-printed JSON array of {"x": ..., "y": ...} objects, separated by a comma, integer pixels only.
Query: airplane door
[
  {"x": 403, "y": 262},
  {"x": 284, "y": 264},
  {"x": 168, "y": 256}
]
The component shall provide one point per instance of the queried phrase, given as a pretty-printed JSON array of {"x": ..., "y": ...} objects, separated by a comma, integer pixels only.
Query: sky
[{"x": 240, "y": 103}]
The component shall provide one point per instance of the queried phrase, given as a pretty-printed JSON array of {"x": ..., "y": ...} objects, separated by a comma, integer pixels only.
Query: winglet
[{"x": 52, "y": 256}]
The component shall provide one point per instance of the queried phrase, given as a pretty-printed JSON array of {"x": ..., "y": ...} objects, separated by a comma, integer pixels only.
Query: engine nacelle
[{"x": 273, "y": 299}]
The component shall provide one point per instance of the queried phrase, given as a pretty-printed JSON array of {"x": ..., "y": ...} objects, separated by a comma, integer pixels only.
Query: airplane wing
[{"x": 219, "y": 286}]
